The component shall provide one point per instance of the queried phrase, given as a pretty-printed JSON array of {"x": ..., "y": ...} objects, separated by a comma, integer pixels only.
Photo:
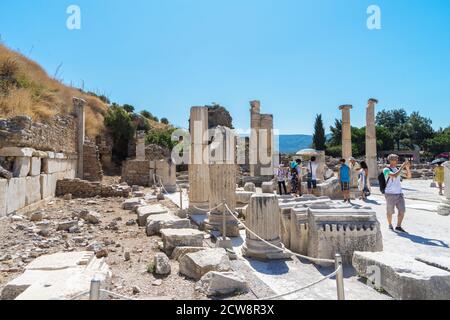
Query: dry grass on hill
[{"x": 26, "y": 89}]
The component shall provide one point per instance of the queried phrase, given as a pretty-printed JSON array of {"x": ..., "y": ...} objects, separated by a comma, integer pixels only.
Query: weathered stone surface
[
  {"x": 35, "y": 169},
  {"x": 250, "y": 187},
  {"x": 145, "y": 211},
  {"x": 21, "y": 167},
  {"x": 16, "y": 152},
  {"x": 263, "y": 218},
  {"x": 32, "y": 189},
  {"x": 440, "y": 262},
  {"x": 195, "y": 265},
  {"x": 90, "y": 216},
  {"x": 37, "y": 216},
  {"x": 243, "y": 197},
  {"x": 342, "y": 230},
  {"x": 3, "y": 194},
  {"x": 267, "y": 187},
  {"x": 403, "y": 277},
  {"x": 173, "y": 238},
  {"x": 132, "y": 203},
  {"x": 57, "y": 276},
  {"x": 66, "y": 225},
  {"x": 221, "y": 284},
  {"x": 5, "y": 173},
  {"x": 15, "y": 194},
  {"x": 162, "y": 264},
  {"x": 444, "y": 207},
  {"x": 165, "y": 221},
  {"x": 178, "y": 252}
]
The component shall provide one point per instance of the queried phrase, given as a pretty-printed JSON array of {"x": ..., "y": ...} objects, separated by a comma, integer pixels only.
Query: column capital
[
  {"x": 255, "y": 105},
  {"x": 372, "y": 101},
  {"x": 78, "y": 102},
  {"x": 346, "y": 107}
]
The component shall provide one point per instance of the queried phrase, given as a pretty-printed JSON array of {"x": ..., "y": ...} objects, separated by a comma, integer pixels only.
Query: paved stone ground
[{"x": 429, "y": 234}]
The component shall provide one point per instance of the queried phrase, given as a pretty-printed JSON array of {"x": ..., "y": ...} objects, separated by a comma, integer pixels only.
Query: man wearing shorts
[
  {"x": 394, "y": 192},
  {"x": 312, "y": 175},
  {"x": 344, "y": 179}
]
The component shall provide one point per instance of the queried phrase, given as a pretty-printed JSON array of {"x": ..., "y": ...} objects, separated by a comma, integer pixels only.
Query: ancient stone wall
[
  {"x": 35, "y": 174},
  {"x": 91, "y": 162},
  {"x": 87, "y": 189},
  {"x": 58, "y": 134}
]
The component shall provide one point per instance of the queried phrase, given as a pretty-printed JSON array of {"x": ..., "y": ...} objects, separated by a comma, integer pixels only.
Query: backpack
[{"x": 382, "y": 181}]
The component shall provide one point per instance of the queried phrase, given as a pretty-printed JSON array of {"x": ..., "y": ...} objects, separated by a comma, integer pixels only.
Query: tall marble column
[
  {"x": 79, "y": 108},
  {"x": 255, "y": 123},
  {"x": 346, "y": 131},
  {"x": 222, "y": 182},
  {"x": 263, "y": 218},
  {"x": 199, "y": 160},
  {"x": 371, "y": 140},
  {"x": 444, "y": 207}
]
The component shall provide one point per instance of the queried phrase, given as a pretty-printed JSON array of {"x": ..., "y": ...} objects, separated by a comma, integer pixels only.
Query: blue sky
[{"x": 298, "y": 57}]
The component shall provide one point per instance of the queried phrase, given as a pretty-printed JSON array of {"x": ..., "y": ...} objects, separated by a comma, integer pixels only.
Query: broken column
[
  {"x": 444, "y": 207},
  {"x": 199, "y": 160},
  {"x": 261, "y": 141},
  {"x": 371, "y": 140},
  {"x": 263, "y": 218},
  {"x": 140, "y": 146},
  {"x": 346, "y": 132},
  {"x": 79, "y": 107},
  {"x": 222, "y": 183}
]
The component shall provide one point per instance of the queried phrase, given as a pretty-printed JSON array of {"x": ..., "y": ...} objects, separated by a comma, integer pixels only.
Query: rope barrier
[
  {"x": 274, "y": 246},
  {"x": 305, "y": 287},
  {"x": 209, "y": 209}
]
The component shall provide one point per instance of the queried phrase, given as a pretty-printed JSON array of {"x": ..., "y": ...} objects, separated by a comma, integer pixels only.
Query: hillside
[
  {"x": 27, "y": 89},
  {"x": 294, "y": 143}
]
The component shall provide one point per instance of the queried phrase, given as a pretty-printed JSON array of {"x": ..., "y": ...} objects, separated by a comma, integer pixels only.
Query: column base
[
  {"x": 444, "y": 208},
  {"x": 261, "y": 251},
  {"x": 198, "y": 208},
  {"x": 214, "y": 222}
]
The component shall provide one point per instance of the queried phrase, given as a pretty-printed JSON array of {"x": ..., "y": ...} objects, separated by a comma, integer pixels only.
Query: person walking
[
  {"x": 281, "y": 178},
  {"x": 294, "y": 181},
  {"x": 344, "y": 180},
  {"x": 439, "y": 177},
  {"x": 297, "y": 166},
  {"x": 312, "y": 175},
  {"x": 363, "y": 181},
  {"x": 394, "y": 192}
]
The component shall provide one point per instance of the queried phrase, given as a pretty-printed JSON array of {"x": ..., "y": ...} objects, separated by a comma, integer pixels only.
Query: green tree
[
  {"x": 164, "y": 121},
  {"x": 439, "y": 143},
  {"x": 319, "y": 138},
  {"x": 396, "y": 121},
  {"x": 147, "y": 114},
  {"x": 122, "y": 129},
  {"x": 336, "y": 133},
  {"x": 419, "y": 129},
  {"x": 161, "y": 138},
  {"x": 385, "y": 141},
  {"x": 128, "y": 108}
]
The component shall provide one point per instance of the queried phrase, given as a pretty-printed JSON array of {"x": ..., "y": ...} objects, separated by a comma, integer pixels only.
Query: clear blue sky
[{"x": 298, "y": 57}]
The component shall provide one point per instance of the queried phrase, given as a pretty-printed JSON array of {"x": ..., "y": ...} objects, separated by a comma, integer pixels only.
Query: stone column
[
  {"x": 140, "y": 146},
  {"x": 255, "y": 125},
  {"x": 222, "y": 182},
  {"x": 79, "y": 107},
  {"x": 265, "y": 145},
  {"x": 371, "y": 140},
  {"x": 346, "y": 132},
  {"x": 263, "y": 218},
  {"x": 199, "y": 160},
  {"x": 444, "y": 207}
]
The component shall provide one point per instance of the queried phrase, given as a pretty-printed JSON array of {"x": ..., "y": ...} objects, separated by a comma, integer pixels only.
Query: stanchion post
[
  {"x": 94, "y": 292},
  {"x": 339, "y": 277},
  {"x": 224, "y": 222},
  {"x": 181, "y": 198}
]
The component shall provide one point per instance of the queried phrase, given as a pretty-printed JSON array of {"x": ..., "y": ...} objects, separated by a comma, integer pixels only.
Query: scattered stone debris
[
  {"x": 222, "y": 284},
  {"x": 162, "y": 264},
  {"x": 195, "y": 265}
]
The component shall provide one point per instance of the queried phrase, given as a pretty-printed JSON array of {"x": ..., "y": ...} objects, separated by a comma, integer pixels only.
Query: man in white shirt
[
  {"x": 394, "y": 192},
  {"x": 312, "y": 175}
]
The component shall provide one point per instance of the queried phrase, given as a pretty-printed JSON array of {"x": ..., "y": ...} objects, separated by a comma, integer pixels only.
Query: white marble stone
[{"x": 21, "y": 167}]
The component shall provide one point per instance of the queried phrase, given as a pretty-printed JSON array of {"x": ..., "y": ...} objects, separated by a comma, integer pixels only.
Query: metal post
[
  {"x": 94, "y": 293},
  {"x": 224, "y": 222},
  {"x": 339, "y": 277},
  {"x": 181, "y": 198}
]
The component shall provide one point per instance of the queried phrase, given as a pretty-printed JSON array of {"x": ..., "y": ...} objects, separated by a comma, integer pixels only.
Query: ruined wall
[
  {"x": 91, "y": 162},
  {"x": 58, "y": 134},
  {"x": 87, "y": 189}
]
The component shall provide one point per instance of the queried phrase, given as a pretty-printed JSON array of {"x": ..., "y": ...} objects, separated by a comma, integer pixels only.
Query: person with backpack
[
  {"x": 344, "y": 180},
  {"x": 297, "y": 167},
  {"x": 391, "y": 185}
]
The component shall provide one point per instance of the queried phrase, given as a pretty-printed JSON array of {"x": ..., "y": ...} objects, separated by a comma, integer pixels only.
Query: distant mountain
[{"x": 295, "y": 142}]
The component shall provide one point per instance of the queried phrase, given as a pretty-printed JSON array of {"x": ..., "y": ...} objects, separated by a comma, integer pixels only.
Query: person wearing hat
[
  {"x": 439, "y": 177},
  {"x": 394, "y": 192}
]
